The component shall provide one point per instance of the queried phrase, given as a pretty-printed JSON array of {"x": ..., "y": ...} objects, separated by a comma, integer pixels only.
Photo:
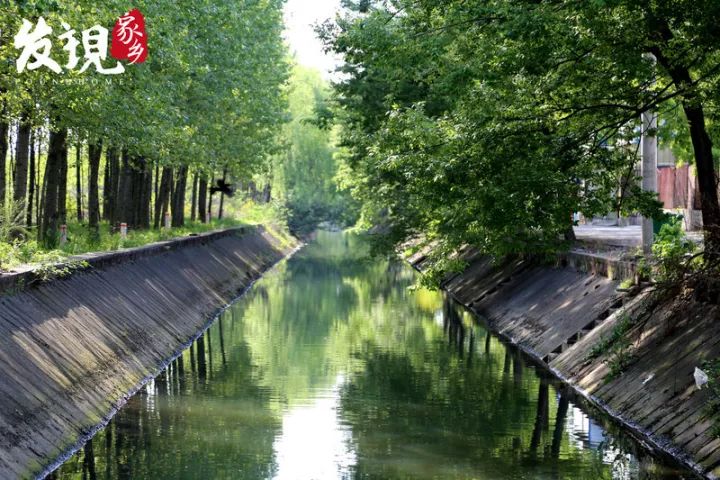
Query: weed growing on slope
[{"x": 617, "y": 347}]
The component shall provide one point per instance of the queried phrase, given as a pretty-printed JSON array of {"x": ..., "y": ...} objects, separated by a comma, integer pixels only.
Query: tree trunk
[
  {"x": 11, "y": 163},
  {"x": 94, "y": 156},
  {"x": 702, "y": 144},
  {"x": 106, "y": 189},
  {"x": 210, "y": 202},
  {"x": 40, "y": 185},
  {"x": 78, "y": 181},
  {"x": 124, "y": 197},
  {"x": 202, "y": 199},
  {"x": 178, "y": 203},
  {"x": 135, "y": 192},
  {"x": 31, "y": 187},
  {"x": 222, "y": 196},
  {"x": 707, "y": 180},
  {"x": 62, "y": 185},
  {"x": 51, "y": 216},
  {"x": 22, "y": 150},
  {"x": 267, "y": 193},
  {"x": 4, "y": 129},
  {"x": 145, "y": 177},
  {"x": 193, "y": 200},
  {"x": 157, "y": 180},
  {"x": 254, "y": 194},
  {"x": 111, "y": 193},
  {"x": 163, "y": 196}
]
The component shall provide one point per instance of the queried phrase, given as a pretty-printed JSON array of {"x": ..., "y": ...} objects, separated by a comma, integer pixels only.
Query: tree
[
  {"x": 4, "y": 127},
  {"x": 22, "y": 155},
  {"x": 489, "y": 123},
  {"x": 52, "y": 193},
  {"x": 94, "y": 156},
  {"x": 303, "y": 177},
  {"x": 209, "y": 97}
]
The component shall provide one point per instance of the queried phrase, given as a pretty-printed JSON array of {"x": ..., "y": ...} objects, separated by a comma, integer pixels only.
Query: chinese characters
[
  {"x": 36, "y": 46},
  {"x": 129, "y": 43},
  {"x": 129, "y": 38}
]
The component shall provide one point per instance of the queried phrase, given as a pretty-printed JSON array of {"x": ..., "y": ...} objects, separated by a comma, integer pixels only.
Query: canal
[{"x": 332, "y": 367}]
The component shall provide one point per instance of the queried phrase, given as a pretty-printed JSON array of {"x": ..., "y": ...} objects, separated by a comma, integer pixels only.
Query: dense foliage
[
  {"x": 304, "y": 175},
  {"x": 207, "y": 104},
  {"x": 490, "y": 123}
]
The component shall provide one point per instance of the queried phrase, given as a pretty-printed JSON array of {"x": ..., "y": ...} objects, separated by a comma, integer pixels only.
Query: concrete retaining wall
[
  {"x": 559, "y": 314},
  {"x": 602, "y": 264},
  {"x": 72, "y": 350}
]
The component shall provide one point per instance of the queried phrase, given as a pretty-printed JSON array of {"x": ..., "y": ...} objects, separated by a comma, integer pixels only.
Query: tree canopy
[
  {"x": 304, "y": 174},
  {"x": 489, "y": 123},
  {"x": 208, "y": 100}
]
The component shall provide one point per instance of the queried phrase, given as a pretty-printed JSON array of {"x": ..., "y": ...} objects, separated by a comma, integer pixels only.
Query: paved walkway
[
  {"x": 625, "y": 237},
  {"x": 628, "y": 237}
]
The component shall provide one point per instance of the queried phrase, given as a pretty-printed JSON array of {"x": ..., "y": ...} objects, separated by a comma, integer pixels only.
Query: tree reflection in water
[{"x": 332, "y": 360}]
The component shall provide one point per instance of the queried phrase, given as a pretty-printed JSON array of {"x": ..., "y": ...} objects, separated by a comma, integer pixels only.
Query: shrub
[{"x": 671, "y": 249}]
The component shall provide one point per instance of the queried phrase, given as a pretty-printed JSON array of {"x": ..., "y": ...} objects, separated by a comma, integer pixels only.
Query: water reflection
[
  {"x": 333, "y": 368},
  {"x": 328, "y": 454}
]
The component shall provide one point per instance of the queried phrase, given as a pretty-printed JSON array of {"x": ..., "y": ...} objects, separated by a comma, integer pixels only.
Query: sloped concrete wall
[
  {"x": 559, "y": 314},
  {"x": 656, "y": 396},
  {"x": 72, "y": 350}
]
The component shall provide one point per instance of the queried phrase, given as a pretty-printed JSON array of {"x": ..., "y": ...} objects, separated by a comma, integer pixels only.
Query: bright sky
[{"x": 300, "y": 17}]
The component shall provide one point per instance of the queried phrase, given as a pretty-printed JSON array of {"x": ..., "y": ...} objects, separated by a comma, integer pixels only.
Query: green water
[{"x": 332, "y": 368}]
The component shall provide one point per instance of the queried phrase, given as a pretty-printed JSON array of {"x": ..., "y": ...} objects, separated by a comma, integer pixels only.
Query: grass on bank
[{"x": 14, "y": 253}]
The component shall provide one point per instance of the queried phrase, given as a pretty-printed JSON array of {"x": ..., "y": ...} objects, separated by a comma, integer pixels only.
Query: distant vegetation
[
  {"x": 305, "y": 174},
  {"x": 215, "y": 128}
]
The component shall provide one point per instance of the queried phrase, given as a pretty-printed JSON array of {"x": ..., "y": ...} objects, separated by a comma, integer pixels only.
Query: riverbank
[
  {"x": 564, "y": 317},
  {"x": 332, "y": 367},
  {"x": 73, "y": 349}
]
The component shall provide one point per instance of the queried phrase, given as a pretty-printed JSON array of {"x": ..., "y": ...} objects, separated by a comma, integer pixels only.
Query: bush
[
  {"x": 671, "y": 249},
  {"x": 82, "y": 240}
]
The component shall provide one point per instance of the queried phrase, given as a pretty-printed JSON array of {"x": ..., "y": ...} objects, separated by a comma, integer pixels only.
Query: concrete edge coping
[
  {"x": 613, "y": 265},
  {"x": 614, "y": 268},
  {"x": 12, "y": 282}
]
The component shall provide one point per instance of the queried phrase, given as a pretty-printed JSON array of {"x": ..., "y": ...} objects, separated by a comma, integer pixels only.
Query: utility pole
[{"x": 648, "y": 153}]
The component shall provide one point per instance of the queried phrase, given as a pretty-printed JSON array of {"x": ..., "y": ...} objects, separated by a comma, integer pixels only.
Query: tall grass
[{"x": 18, "y": 245}]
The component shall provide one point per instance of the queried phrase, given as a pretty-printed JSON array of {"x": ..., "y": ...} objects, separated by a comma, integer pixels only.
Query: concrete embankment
[
  {"x": 559, "y": 315},
  {"x": 73, "y": 349}
]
